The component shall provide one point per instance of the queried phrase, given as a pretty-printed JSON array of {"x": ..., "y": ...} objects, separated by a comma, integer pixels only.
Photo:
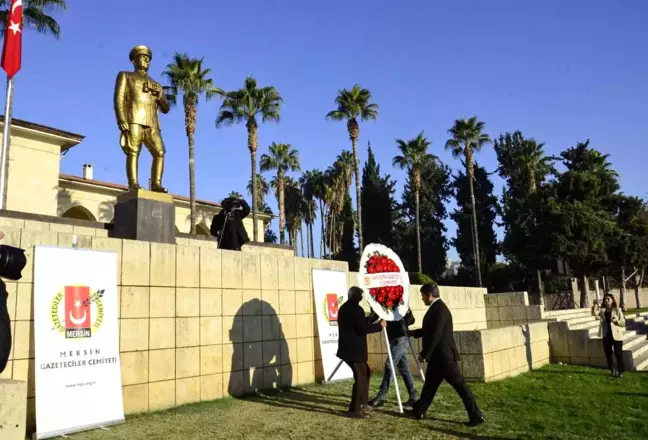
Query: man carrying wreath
[
  {"x": 398, "y": 334},
  {"x": 352, "y": 349}
]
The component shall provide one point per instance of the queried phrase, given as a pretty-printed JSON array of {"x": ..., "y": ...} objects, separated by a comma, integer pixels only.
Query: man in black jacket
[
  {"x": 227, "y": 225},
  {"x": 397, "y": 334},
  {"x": 441, "y": 354},
  {"x": 352, "y": 348}
]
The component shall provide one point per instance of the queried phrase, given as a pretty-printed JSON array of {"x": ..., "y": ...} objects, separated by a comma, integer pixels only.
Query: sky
[{"x": 561, "y": 72}]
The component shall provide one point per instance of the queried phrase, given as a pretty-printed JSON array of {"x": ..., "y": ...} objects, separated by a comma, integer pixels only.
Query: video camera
[
  {"x": 231, "y": 204},
  {"x": 12, "y": 262}
]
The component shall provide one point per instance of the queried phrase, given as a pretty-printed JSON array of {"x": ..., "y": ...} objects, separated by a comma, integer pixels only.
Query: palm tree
[
  {"x": 188, "y": 77},
  {"x": 308, "y": 186},
  {"x": 35, "y": 16},
  {"x": 344, "y": 163},
  {"x": 351, "y": 105},
  {"x": 467, "y": 138},
  {"x": 282, "y": 158},
  {"x": 413, "y": 156},
  {"x": 262, "y": 187},
  {"x": 319, "y": 192},
  {"x": 235, "y": 194},
  {"x": 247, "y": 105}
]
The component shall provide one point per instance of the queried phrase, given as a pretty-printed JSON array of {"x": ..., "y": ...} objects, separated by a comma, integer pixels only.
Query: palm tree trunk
[
  {"x": 312, "y": 239},
  {"x": 637, "y": 288},
  {"x": 322, "y": 233},
  {"x": 356, "y": 169},
  {"x": 252, "y": 145},
  {"x": 190, "y": 122},
  {"x": 282, "y": 216},
  {"x": 418, "y": 233},
  {"x": 470, "y": 173},
  {"x": 301, "y": 238},
  {"x": 254, "y": 196}
]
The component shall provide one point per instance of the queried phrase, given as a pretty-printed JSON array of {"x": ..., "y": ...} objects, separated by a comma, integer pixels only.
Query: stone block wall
[
  {"x": 468, "y": 313},
  {"x": 576, "y": 347},
  {"x": 510, "y": 308},
  {"x": 486, "y": 354},
  {"x": 196, "y": 323}
]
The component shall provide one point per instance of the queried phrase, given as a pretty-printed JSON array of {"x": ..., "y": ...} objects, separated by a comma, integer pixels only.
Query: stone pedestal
[
  {"x": 145, "y": 215},
  {"x": 13, "y": 409}
]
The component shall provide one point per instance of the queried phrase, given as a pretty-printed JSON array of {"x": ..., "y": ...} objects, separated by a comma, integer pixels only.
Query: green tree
[
  {"x": 468, "y": 138},
  {"x": 352, "y": 105},
  {"x": 413, "y": 157},
  {"x": 524, "y": 167},
  {"x": 576, "y": 215},
  {"x": 282, "y": 158},
  {"x": 348, "y": 251},
  {"x": 308, "y": 187},
  {"x": 262, "y": 188},
  {"x": 378, "y": 203},
  {"x": 35, "y": 16},
  {"x": 487, "y": 208},
  {"x": 248, "y": 105},
  {"x": 318, "y": 183},
  {"x": 188, "y": 77},
  {"x": 434, "y": 192}
]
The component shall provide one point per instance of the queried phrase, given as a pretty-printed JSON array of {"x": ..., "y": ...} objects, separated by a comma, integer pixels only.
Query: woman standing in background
[{"x": 611, "y": 329}]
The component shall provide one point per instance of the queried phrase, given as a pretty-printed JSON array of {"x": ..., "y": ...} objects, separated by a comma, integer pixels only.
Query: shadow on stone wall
[{"x": 263, "y": 357}]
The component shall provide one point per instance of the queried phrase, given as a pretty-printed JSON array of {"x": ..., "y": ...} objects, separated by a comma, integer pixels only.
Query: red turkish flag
[{"x": 12, "y": 50}]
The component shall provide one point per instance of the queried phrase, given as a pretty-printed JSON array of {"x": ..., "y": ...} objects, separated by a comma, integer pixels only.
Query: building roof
[
  {"x": 117, "y": 186},
  {"x": 74, "y": 137}
]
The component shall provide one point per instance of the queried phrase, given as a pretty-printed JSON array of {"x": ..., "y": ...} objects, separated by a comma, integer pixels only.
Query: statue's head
[{"x": 141, "y": 56}]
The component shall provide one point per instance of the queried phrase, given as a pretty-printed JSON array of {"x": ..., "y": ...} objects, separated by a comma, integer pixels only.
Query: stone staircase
[{"x": 582, "y": 346}]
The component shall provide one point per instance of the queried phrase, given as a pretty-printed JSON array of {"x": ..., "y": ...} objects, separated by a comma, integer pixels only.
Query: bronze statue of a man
[{"x": 137, "y": 100}]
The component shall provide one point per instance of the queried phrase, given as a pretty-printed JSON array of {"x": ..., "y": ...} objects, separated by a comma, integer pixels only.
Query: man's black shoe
[
  {"x": 410, "y": 403},
  {"x": 413, "y": 414},
  {"x": 476, "y": 422}
]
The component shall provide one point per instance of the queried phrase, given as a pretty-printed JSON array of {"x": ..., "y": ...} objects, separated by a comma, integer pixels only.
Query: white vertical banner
[
  {"x": 330, "y": 291},
  {"x": 76, "y": 337}
]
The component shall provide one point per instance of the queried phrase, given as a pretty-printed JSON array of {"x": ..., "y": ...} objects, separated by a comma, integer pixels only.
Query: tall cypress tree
[
  {"x": 487, "y": 210},
  {"x": 348, "y": 251},
  {"x": 378, "y": 204},
  {"x": 435, "y": 192}
]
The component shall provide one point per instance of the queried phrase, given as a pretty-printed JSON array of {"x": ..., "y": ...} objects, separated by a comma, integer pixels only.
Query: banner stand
[
  {"x": 329, "y": 293},
  {"x": 76, "y": 341}
]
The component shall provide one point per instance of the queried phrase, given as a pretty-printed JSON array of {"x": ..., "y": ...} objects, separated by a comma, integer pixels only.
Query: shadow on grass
[
  {"x": 623, "y": 393},
  {"x": 470, "y": 435},
  {"x": 291, "y": 399},
  {"x": 599, "y": 372}
]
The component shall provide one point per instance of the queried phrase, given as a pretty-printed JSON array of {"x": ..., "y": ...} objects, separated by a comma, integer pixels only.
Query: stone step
[
  {"x": 631, "y": 341},
  {"x": 579, "y": 320},
  {"x": 562, "y": 314},
  {"x": 641, "y": 362},
  {"x": 585, "y": 325},
  {"x": 627, "y": 336},
  {"x": 639, "y": 350}
]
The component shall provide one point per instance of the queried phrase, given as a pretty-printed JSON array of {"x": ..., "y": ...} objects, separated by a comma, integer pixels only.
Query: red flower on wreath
[{"x": 389, "y": 297}]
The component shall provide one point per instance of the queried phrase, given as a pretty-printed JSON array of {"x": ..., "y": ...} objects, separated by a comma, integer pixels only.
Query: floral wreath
[{"x": 385, "y": 281}]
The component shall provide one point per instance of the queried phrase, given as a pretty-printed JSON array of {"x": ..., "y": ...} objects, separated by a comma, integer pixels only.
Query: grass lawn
[{"x": 556, "y": 402}]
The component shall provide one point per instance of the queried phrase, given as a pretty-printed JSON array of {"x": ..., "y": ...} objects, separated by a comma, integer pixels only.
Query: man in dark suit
[
  {"x": 352, "y": 348},
  {"x": 441, "y": 354}
]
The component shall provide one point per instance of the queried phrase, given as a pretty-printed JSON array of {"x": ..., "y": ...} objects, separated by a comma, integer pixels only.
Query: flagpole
[{"x": 6, "y": 133}]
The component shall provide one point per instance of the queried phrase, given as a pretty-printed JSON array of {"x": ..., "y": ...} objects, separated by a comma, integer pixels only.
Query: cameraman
[
  {"x": 12, "y": 262},
  {"x": 227, "y": 225}
]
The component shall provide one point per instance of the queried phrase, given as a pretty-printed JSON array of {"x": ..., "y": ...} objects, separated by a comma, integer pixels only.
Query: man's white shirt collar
[{"x": 433, "y": 301}]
